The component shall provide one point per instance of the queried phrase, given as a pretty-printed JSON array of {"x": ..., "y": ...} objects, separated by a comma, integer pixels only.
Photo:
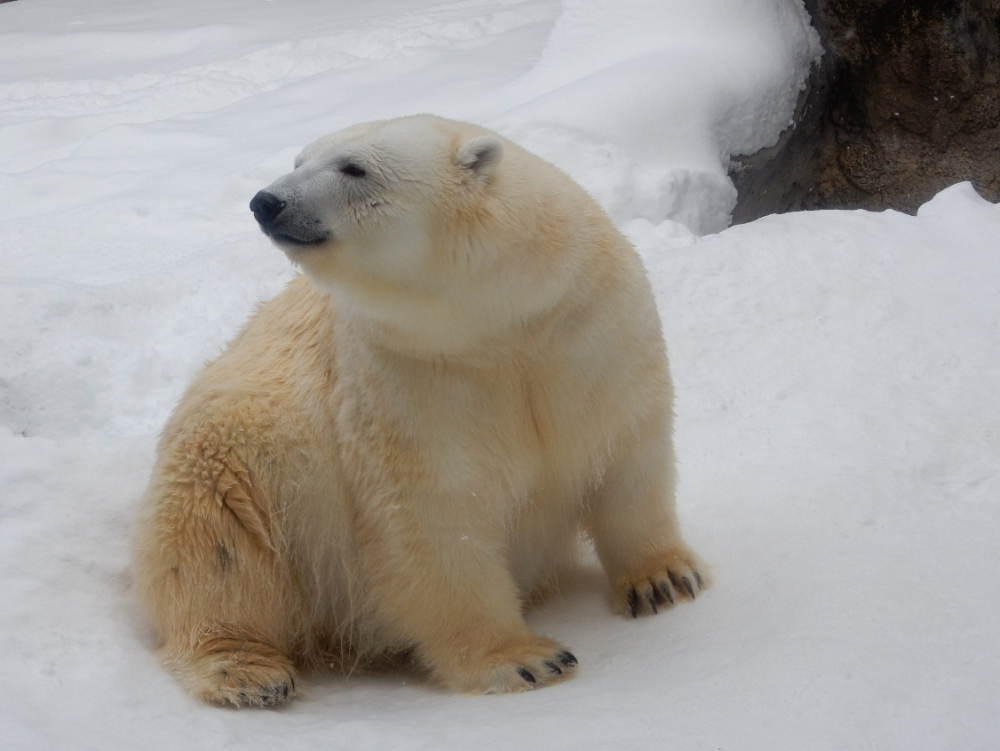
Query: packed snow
[{"x": 837, "y": 372}]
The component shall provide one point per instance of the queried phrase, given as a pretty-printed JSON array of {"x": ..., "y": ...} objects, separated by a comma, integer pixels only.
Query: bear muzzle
[
  {"x": 266, "y": 207},
  {"x": 281, "y": 225}
]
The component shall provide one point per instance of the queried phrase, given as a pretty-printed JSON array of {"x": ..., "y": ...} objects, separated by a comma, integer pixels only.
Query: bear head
[{"x": 442, "y": 231}]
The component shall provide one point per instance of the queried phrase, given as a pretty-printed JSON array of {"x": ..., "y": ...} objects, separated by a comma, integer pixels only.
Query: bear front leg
[
  {"x": 634, "y": 526},
  {"x": 440, "y": 582}
]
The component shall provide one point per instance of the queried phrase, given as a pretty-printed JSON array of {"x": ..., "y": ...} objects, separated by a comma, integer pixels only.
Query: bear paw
[
  {"x": 521, "y": 666},
  {"x": 661, "y": 582},
  {"x": 239, "y": 673}
]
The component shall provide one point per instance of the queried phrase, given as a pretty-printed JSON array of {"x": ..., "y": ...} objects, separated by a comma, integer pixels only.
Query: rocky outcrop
[{"x": 905, "y": 102}]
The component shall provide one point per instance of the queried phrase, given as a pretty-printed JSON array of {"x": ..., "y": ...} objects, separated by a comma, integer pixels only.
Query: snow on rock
[
  {"x": 714, "y": 78},
  {"x": 836, "y": 371}
]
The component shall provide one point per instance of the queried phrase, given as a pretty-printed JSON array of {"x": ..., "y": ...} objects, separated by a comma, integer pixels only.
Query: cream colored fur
[{"x": 402, "y": 448}]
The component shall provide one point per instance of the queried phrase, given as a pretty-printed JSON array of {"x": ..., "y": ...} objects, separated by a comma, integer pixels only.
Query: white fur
[{"x": 397, "y": 454}]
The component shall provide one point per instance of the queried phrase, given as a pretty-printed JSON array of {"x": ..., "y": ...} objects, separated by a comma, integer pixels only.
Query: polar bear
[{"x": 401, "y": 450}]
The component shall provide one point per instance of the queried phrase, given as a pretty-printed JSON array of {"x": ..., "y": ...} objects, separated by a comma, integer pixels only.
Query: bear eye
[{"x": 353, "y": 170}]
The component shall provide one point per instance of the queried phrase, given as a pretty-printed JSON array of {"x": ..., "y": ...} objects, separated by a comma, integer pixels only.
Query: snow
[{"x": 836, "y": 372}]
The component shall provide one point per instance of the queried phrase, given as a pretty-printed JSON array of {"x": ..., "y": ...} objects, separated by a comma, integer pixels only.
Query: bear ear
[{"x": 481, "y": 155}]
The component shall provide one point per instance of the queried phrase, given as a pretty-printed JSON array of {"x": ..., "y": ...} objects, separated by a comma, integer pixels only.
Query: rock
[{"x": 905, "y": 102}]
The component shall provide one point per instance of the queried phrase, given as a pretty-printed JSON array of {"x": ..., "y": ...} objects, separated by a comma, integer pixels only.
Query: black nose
[{"x": 266, "y": 207}]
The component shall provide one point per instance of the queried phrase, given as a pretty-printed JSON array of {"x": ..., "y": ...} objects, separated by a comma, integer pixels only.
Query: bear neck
[{"x": 443, "y": 329}]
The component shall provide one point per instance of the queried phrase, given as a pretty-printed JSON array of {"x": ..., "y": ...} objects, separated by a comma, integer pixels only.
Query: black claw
[
  {"x": 697, "y": 579},
  {"x": 526, "y": 674},
  {"x": 665, "y": 588},
  {"x": 633, "y": 602},
  {"x": 652, "y": 602},
  {"x": 687, "y": 586},
  {"x": 553, "y": 668},
  {"x": 566, "y": 658}
]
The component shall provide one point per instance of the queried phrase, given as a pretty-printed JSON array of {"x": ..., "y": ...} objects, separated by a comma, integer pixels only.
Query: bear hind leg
[
  {"x": 209, "y": 569},
  {"x": 225, "y": 669}
]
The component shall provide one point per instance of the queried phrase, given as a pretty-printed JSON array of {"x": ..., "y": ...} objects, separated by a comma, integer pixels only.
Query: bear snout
[
  {"x": 266, "y": 207},
  {"x": 285, "y": 225}
]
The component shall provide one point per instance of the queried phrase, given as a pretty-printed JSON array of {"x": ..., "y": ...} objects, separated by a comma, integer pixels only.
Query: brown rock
[{"x": 905, "y": 102}]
